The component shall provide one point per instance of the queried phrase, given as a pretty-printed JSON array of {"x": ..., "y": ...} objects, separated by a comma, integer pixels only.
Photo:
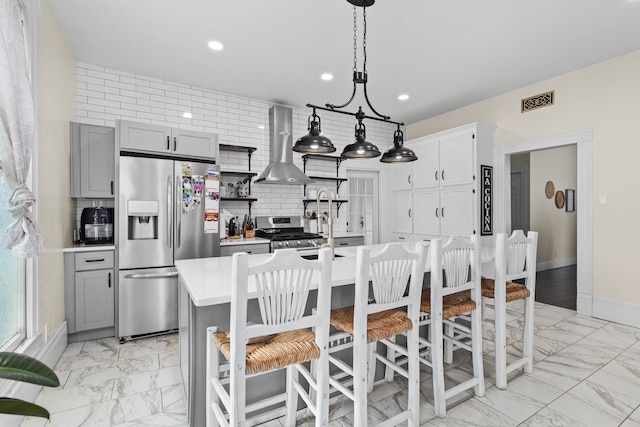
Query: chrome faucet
[{"x": 330, "y": 242}]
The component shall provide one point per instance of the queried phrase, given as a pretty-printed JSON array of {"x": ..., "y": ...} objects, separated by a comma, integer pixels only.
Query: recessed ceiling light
[
  {"x": 327, "y": 76},
  {"x": 187, "y": 115},
  {"x": 403, "y": 97},
  {"x": 215, "y": 45}
]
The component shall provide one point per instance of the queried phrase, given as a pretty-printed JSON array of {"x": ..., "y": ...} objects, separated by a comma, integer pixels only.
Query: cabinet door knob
[
  {"x": 112, "y": 188},
  {"x": 409, "y": 213},
  {"x": 168, "y": 143},
  {"x": 409, "y": 179},
  {"x": 442, "y": 175},
  {"x": 442, "y": 212},
  {"x": 436, "y": 175},
  {"x": 109, "y": 279},
  {"x": 175, "y": 143},
  {"x": 436, "y": 212}
]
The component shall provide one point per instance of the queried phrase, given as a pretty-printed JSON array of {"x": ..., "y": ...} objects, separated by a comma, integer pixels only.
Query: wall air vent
[{"x": 537, "y": 101}]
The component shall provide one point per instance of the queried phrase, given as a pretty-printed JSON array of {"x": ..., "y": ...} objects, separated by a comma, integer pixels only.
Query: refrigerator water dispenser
[{"x": 142, "y": 219}]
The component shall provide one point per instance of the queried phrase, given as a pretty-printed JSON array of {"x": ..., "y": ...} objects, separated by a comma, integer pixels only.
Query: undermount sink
[{"x": 315, "y": 256}]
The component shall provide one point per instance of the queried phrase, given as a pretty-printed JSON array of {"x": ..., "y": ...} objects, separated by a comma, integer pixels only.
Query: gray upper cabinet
[
  {"x": 146, "y": 138},
  {"x": 92, "y": 160}
]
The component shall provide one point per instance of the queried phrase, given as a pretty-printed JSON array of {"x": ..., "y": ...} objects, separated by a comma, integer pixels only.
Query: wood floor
[{"x": 557, "y": 287}]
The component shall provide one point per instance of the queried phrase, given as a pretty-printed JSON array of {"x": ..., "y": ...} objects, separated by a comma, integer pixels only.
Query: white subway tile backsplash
[
  {"x": 90, "y": 93},
  {"x": 119, "y": 72},
  {"x": 105, "y": 95},
  {"x": 134, "y": 81},
  {"x": 88, "y": 67},
  {"x": 120, "y": 85},
  {"x": 102, "y": 75},
  {"x": 120, "y": 98}
]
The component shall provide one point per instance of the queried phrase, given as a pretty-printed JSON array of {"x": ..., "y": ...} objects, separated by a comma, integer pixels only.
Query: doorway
[
  {"x": 583, "y": 140},
  {"x": 363, "y": 204}
]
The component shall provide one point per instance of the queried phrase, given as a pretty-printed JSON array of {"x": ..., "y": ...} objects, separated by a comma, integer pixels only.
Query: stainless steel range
[{"x": 287, "y": 232}]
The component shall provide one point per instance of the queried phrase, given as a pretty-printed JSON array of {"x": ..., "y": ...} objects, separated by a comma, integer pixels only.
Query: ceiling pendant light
[
  {"x": 360, "y": 148},
  {"x": 398, "y": 153},
  {"x": 314, "y": 142}
]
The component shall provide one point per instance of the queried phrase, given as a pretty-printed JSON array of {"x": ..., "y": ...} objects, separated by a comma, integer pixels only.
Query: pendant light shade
[
  {"x": 314, "y": 141},
  {"x": 398, "y": 153},
  {"x": 361, "y": 149}
]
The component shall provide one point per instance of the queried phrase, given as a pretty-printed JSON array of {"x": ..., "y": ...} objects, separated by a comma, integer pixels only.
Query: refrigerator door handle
[
  {"x": 150, "y": 275},
  {"x": 178, "y": 212},
  {"x": 169, "y": 211}
]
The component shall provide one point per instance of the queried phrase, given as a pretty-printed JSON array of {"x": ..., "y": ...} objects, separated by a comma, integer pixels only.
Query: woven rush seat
[
  {"x": 514, "y": 291},
  {"x": 380, "y": 325},
  {"x": 277, "y": 352},
  {"x": 452, "y": 305}
]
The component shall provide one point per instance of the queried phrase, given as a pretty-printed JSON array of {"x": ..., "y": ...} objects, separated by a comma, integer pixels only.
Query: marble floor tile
[
  {"x": 85, "y": 360},
  {"x": 594, "y": 405},
  {"x": 632, "y": 420},
  {"x": 112, "y": 370},
  {"x": 62, "y": 399},
  {"x": 472, "y": 412},
  {"x": 548, "y": 417},
  {"x": 622, "y": 375},
  {"x": 145, "y": 381},
  {"x": 586, "y": 372},
  {"x": 522, "y": 398}
]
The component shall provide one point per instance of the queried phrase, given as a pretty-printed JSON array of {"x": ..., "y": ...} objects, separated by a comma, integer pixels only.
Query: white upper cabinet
[
  {"x": 142, "y": 137},
  {"x": 457, "y": 159},
  {"x": 400, "y": 176},
  {"x": 438, "y": 195},
  {"x": 426, "y": 169}
]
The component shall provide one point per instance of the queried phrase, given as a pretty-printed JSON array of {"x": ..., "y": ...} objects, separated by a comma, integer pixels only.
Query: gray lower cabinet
[
  {"x": 349, "y": 241},
  {"x": 258, "y": 248},
  {"x": 89, "y": 294},
  {"x": 92, "y": 160}
]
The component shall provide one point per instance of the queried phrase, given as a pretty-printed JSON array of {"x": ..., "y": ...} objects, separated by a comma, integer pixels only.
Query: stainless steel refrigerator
[{"x": 167, "y": 210}]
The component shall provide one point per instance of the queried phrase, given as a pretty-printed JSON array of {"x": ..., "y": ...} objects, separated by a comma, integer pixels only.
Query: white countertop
[
  {"x": 82, "y": 247},
  {"x": 243, "y": 241},
  {"x": 208, "y": 280}
]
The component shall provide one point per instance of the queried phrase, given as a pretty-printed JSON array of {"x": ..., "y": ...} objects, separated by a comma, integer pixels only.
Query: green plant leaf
[
  {"x": 20, "y": 407},
  {"x": 19, "y": 367}
]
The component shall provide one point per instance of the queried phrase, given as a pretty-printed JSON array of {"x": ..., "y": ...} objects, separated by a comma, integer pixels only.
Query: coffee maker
[{"x": 96, "y": 225}]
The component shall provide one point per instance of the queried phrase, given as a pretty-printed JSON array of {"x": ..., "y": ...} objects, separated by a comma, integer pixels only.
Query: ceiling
[{"x": 443, "y": 54}]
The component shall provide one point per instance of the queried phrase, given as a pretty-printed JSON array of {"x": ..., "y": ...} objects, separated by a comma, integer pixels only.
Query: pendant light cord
[{"x": 355, "y": 40}]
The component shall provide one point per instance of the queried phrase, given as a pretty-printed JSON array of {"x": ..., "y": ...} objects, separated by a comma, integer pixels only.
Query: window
[{"x": 12, "y": 284}]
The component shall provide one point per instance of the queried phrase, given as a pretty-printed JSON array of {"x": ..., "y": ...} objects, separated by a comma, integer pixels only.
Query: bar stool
[
  {"x": 390, "y": 308},
  {"x": 281, "y": 284},
  {"x": 515, "y": 258},
  {"x": 454, "y": 294}
]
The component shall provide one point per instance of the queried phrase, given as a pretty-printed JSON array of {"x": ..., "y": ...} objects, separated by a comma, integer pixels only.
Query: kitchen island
[{"x": 204, "y": 300}]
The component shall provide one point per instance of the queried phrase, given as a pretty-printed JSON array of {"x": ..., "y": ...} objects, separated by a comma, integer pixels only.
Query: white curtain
[{"x": 17, "y": 131}]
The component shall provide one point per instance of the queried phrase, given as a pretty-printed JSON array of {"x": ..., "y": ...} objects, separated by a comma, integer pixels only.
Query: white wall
[
  {"x": 556, "y": 227},
  {"x": 105, "y": 95},
  {"x": 602, "y": 97},
  {"x": 55, "y": 109}
]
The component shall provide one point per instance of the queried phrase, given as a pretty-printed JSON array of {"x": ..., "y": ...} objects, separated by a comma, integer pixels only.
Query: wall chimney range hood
[{"x": 281, "y": 169}]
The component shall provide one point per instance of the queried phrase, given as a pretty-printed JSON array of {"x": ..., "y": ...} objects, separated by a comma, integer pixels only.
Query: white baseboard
[
  {"x": 616, "y": 311},
  {"x": 49, "y": 354},
  {"x": 556, "y": 263}
]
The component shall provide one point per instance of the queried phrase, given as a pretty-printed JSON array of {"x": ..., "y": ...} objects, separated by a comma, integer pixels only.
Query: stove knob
[
  {"x": 280, "y": 244},
  {"x": 298, "y": 243},
  {"x": 286, "y": 244}
]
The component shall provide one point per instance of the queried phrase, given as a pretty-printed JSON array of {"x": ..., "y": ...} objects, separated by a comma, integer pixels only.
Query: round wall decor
[
  {"x": 549, "y": 189},
  {"x": 559, "y": 200}
]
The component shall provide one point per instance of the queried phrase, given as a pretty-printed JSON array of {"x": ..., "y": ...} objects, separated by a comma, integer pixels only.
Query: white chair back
[
  {"x": 516, "y": 255},
  {"x": 459, "y": 259}
]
